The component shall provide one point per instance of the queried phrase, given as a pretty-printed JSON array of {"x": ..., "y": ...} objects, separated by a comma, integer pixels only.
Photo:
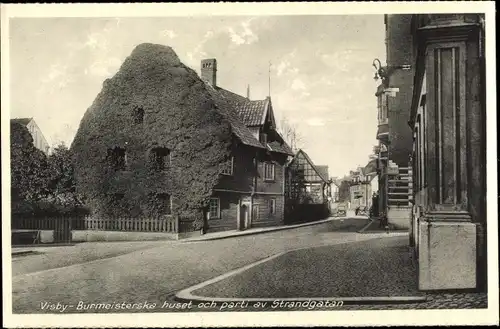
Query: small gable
[
  {"x": 269, "y": 119},
  {"x": 303, "y": 163}
]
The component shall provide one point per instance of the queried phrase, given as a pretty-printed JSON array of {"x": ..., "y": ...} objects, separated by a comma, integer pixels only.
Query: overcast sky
[{"x": 321, "y": 73}]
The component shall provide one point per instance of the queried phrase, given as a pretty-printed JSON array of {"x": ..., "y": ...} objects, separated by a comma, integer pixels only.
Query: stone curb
[
  {"x": 187, "y": 295},
  {"x": 23, "y": 253},
  {"x": 274, "y": 229},
  {"x": 43, "y": 245},
  {"x": 365, "y": 230},
  {"x": 365, "y": 227}
]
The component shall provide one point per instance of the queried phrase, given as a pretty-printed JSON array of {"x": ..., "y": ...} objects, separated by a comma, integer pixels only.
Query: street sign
[{"x": 391, "y": 91}]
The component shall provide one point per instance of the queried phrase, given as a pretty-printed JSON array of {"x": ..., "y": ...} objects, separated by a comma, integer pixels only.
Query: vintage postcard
[{"x": 253, "y": 164}]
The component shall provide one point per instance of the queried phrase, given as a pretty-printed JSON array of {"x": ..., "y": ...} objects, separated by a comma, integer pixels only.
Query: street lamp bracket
[{"x": 384, "y": 72}]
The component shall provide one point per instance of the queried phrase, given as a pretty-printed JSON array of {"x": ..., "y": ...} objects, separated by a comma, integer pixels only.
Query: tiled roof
[
  {"x": 280, "y": 147},
  {"x": 323, "y": 172},
  {"x": 225, "y": 105},
  {"x": 252, "y": 112},
  {"x": 243, "y": 113},
  {"x": 231, "y": 97},
  {"x": 23, "y": 121}
]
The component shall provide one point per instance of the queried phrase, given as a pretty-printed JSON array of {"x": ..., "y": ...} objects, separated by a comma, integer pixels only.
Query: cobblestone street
[
  {"x": 375, "y": 268},
  {"x": 156, "y": 271}
]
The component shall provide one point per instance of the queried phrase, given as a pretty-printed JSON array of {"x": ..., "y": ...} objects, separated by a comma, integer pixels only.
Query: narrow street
[{"x": 153, "y": 271}]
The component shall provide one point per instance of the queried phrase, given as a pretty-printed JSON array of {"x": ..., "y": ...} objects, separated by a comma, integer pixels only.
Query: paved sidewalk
[{"x": 251, "y": 231}]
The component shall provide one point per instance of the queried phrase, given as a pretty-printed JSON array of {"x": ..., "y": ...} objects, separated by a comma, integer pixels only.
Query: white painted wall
[{"x": 38, "y": 139}]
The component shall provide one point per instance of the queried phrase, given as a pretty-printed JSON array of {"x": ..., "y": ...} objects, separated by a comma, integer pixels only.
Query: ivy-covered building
[{"x": 161, "y": 141}]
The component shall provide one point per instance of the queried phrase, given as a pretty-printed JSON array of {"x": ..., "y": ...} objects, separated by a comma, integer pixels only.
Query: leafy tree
[
  {"x": 290, "y": 134},
  {"x": 61, "y": 181},
  {"x": 29, "y": 169}
]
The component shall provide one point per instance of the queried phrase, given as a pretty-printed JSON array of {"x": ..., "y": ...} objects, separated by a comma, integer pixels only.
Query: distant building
[
  {"x": 335, "y": 185},
  {"x": 39, "y": 140},
  {"x": 307, "y": 181},
  {"x": 308, "y": 194},
  {"x": 360, "y": 191},
  {"x": 371, "y": 172}
]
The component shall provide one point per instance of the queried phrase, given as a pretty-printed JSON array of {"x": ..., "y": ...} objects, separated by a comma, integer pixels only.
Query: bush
[
  {"x": 49, "y": 208},
  {"x": 29, "y": 168},
  {"x": 41, "y": 186}
]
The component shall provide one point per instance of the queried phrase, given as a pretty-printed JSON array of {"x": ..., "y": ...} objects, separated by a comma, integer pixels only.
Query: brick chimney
[{"x": 209, "y": 71}]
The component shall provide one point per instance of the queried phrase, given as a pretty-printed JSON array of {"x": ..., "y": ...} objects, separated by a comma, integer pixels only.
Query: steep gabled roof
[
  {"x": 243, "y": 113},
  {"x": 231, "y": 97},
  {"x": 308, "y": 159},
  {"x": 252, "y": 113},
  {"x": 323, "y": 171},
  {"x": 23, "y": 121},
  {"x": 225, "y": 102}
]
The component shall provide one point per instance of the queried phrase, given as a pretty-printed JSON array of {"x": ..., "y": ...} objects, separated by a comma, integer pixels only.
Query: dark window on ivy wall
[
  {"x": 164, "y": 203},
  {"x": 117, "y": 158},
  {"x": 160, "y": 158},
  {"x": 138, "y": 115}
]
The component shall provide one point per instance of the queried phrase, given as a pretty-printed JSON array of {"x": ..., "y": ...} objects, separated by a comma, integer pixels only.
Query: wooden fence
[
  {"x": 162, "y": 224},
  {"x": 25, "y": 230},
  {"x": 168, "y": 224},
  {"x": 301, "y": 213},
  {"x": 46, "y": 223},
  {"x": 29, "y": 230}
]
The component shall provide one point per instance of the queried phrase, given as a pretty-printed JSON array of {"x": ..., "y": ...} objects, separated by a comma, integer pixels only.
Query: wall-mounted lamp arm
[{"x": 385, "y": 72}]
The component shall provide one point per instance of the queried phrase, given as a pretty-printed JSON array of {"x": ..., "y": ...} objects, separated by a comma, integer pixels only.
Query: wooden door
[{"x": 243, "y": 217}]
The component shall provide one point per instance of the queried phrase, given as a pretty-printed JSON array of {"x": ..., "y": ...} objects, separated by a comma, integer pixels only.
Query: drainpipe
[
  {"x": 283, "y": 189},
  {"x": 254, "y": 188},
  {"x": 386, "y": 201}
]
